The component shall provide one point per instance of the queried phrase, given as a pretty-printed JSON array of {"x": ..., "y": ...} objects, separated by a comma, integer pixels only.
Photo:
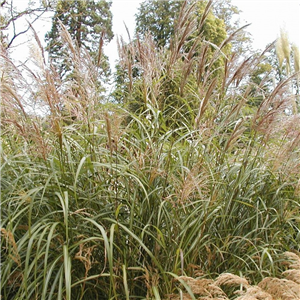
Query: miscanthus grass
[{"x": 184, "y": 190}]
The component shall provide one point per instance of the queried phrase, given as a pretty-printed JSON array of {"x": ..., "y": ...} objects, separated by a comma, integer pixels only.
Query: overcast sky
[{"x": 267, "y": 17}]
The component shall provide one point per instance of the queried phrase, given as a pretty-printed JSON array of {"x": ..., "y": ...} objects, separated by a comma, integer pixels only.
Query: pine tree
[
  {"x": 89, "y": 24},
  {"x": 158, "y": 18}
]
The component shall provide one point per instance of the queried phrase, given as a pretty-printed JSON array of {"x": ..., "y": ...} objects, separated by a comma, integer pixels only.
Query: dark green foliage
[
  {"x": 158, "y": 18},
  {"x": 89, "y": 24}
]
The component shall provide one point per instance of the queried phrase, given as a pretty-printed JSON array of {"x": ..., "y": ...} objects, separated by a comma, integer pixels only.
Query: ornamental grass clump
[
  {"x": 230, "y": 286},
  {"x": 158, "y": 195}
]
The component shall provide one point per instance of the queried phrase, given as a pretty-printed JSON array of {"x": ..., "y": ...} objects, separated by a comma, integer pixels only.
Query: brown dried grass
[
  {"x": 11, "y": 244},
  {"x": 231, "y": 280},
  {"x": 283, "y": 289},
  {"x": 270, "y": 288},
  {"x": 185, "y": 296},
  {"x": 203, "y": 288},
  {"x": 293, "y": 275},
  {"x": 292, "y": 260},
  {"x": 254, "y": 293}
]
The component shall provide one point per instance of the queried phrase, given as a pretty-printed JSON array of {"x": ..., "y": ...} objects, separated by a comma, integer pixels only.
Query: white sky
[{"x": 266, "y": 18}]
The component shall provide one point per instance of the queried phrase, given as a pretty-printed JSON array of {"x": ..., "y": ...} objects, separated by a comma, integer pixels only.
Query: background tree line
[{"x": 90, "y": 25}]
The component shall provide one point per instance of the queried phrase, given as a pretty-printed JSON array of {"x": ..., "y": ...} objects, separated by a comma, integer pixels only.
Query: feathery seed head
[
  {"x": 296, "y": 58},
  {"x": 281, "y": 288},
  {"x": 293, "y": 275},
  {"x": 285, "y": 45},
  {"x": 230, "y": 279},
  {"x": 279, "y": 51},
  {"x": 283, "y": 49},
  {"x": 293, "y": 260},
  {"x": 254, "y": 293},
  {"x": 203, "y": 287}
]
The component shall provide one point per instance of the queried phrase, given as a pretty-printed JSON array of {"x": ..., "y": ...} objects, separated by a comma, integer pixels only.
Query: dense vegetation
[{"x": 195, "y": 173}]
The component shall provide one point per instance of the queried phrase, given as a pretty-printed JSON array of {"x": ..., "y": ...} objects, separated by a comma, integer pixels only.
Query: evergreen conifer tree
[{"x": 89, "y": 24}]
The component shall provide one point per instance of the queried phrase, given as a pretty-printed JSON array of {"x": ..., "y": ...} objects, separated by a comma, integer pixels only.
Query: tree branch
[
  {"x": 14, "y": 16},
  {"x": 2, "y": 3},
  {"x": 22, "y": 32},
  {"x": 19, "y": 15}
]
